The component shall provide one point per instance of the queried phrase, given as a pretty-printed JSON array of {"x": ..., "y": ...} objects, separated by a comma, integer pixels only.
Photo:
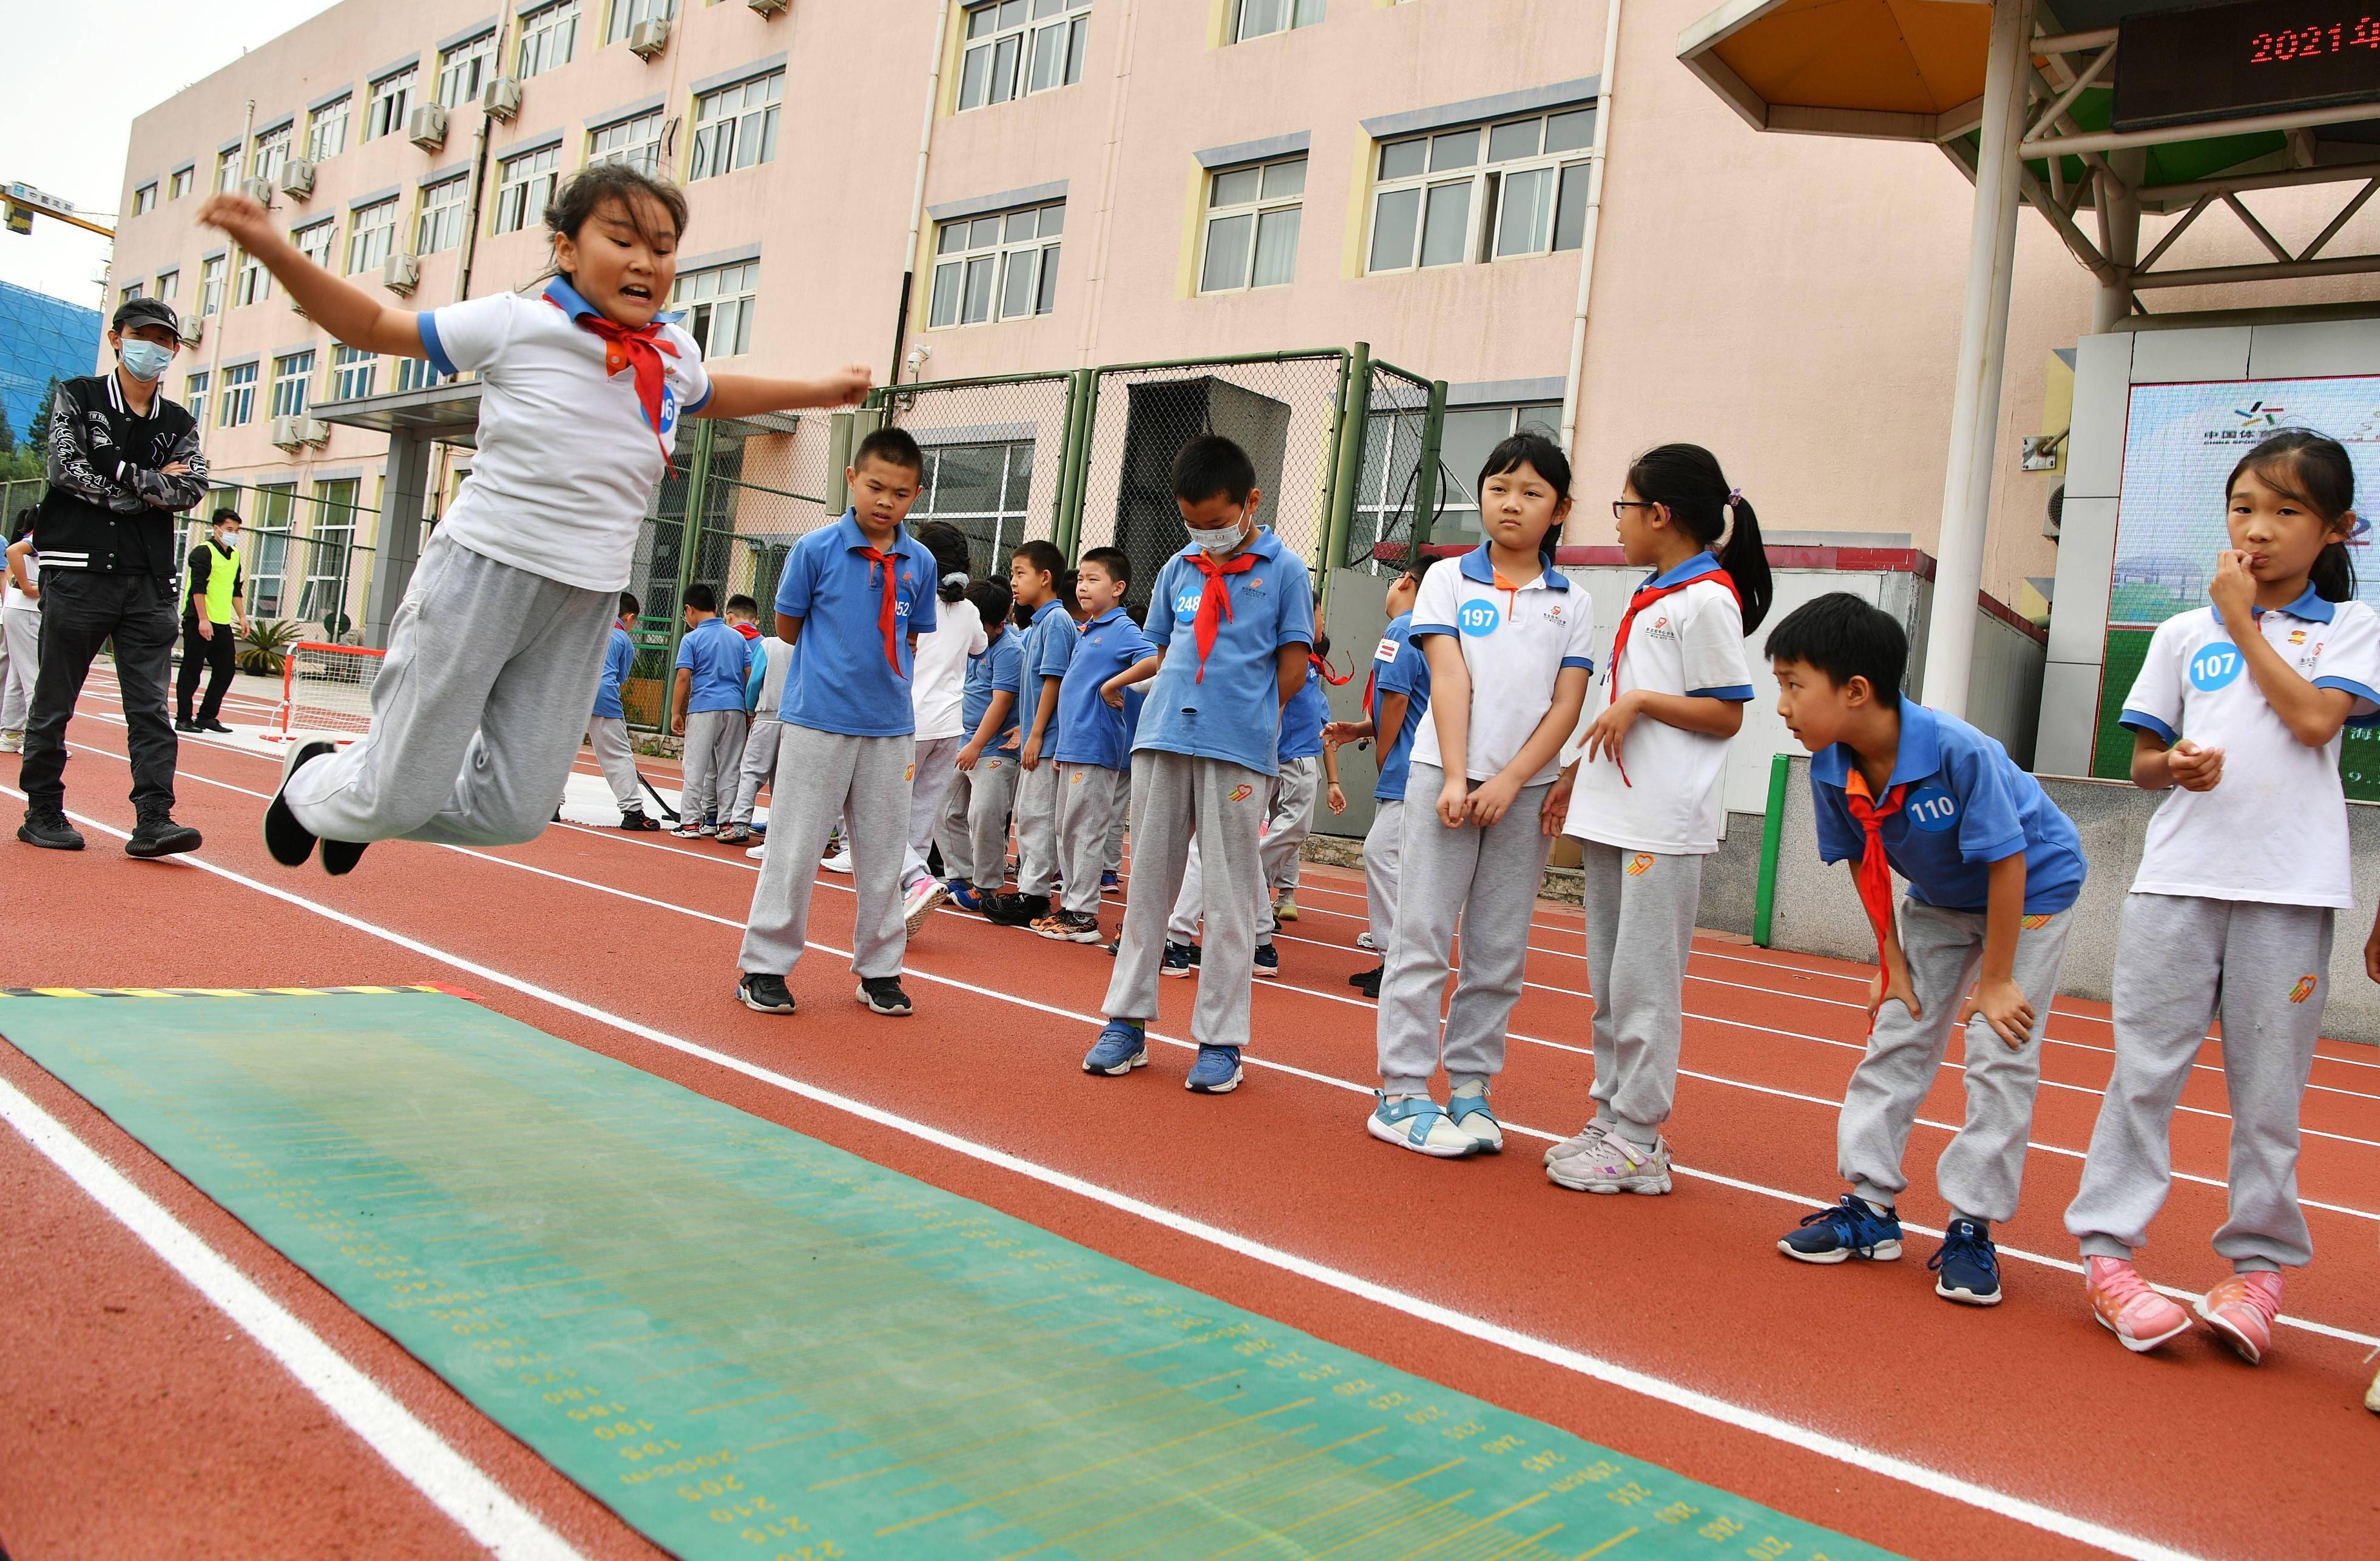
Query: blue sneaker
[
  {"x": 1849, "y": 1229},
  {"x": 1217, "y": 1071},
  {"x": 1420, "y": 1124},
  {"x": 1969, "y": 1269},
  {"x": 1181, "y": 958},
  {"x": 1122, "y": 1047},
  {"x": 1267, "y": 966},
  {"x": 965, "y": 897},
  {"x": 1110, "y": 880}
]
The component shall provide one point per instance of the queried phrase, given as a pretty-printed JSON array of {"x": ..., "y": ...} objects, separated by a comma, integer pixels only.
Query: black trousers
[
  {"x": 215, "y": 656},
  {"x": 81, "y": 612}
]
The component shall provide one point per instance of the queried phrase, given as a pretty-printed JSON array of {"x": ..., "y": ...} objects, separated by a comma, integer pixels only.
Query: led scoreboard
[{"x": 2260, "y": 56}]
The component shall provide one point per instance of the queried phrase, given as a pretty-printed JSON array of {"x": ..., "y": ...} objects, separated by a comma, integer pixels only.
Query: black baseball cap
[{"x": 147, "y": 311}]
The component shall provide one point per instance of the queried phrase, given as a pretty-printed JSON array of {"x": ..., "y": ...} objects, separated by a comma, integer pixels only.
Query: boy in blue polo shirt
[
  {"x": 607, "y": 728},
  {"x": 972, "y": 832},
  {"x": 707, "y": 709},
  {"x": 1095, "y": 717},
  {"x": 852, "y": 601},
  {"x": 1036, "y": 572},
  {"x": 1234, "y": 618},
  {"x": 1994, "y": 870},
  {"x": 1396, "y": 701}
]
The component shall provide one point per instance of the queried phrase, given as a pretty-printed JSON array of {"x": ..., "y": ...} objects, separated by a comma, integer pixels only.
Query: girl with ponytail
[{"x": 1640, "y": 793}]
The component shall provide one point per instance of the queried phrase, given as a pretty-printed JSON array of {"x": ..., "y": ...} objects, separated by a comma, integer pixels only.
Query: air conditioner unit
[
  {"x": 290, "y": 433},
  {"x": 401, "y": 273},
  {"x": 426, "y": 127},
  {"x": 647, "y": 38},
  {"x": 767, "y": 8},
  {"x": 258, "y": 190},
  {"x": 297, "y": 180},
  {"x": 501, "y": 98},
  {"x": 192, "y": 327}
]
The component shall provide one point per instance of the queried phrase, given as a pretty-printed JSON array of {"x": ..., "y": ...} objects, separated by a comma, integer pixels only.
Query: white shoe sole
[
  {"x": 1185, "y": 972},
  {"x": 916, "y": 918},
  {"x": 1389, "y": 1132},
  {"x": 2241, "y": 1343},
  {"x": 1265, "y": 973},
  {"x": 869, "y": 1003},
  {"x": 836, "y": 864},
  {"x": 2138, "y": 1346},
  {"x": 1966, "y": 1298},
  {"x": 745, "y": 997},
  {"x": 1225, "y": 1088},
  {"x": 1883, "y": 1252},
  {"x": 1139, "y": 1059}
]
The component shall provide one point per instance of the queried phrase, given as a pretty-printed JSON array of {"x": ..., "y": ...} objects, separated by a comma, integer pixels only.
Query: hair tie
[
  {"x": 958, "y": 577},
  {"x": 1734, "y": 497}
]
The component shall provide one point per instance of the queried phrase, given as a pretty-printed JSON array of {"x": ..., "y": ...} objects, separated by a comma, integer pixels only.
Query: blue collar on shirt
[
  {"x": 1920, "y": 755},
  {"x": 2309, "y": 607},
  {"x": 560, "y": 292},
  {"x": 1476, "y": 566},
  {"x": 1694, "y": 569},
  {"x": 1113, "y": 614},
  {"x": 848, "y": 536},
  {"x": 1042, "y": 613}
]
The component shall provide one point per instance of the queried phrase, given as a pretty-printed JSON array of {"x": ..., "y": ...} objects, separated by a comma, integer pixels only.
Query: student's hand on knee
[
  {"x": 1889, "y": 986},
  {"x": 2003, "y": 1006}
]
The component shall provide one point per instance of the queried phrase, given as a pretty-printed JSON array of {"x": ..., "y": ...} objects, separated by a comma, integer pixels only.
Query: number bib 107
[{"x": 2214, "y": 666}]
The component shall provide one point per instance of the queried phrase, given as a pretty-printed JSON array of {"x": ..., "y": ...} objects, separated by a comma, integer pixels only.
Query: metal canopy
[
  {"x": 448, "y": 414},
  {"x": 413, "y": 420}
]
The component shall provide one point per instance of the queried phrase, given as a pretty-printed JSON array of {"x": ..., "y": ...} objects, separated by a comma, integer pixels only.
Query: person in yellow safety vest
[{"x": 214, "y": 600}]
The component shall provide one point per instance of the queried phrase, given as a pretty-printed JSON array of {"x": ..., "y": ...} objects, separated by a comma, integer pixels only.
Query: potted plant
[{"x": 266, "y": 649}]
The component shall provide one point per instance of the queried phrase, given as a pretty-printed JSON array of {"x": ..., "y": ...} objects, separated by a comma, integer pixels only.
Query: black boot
[
  {"x": 158, "y": 836},
  {"x": 48, "y": 828}
]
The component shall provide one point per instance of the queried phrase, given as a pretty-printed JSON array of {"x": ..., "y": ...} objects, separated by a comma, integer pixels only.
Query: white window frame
[
  {"x": 330, "y": 549},
  {"x": 168, "y": 284},
  {"x": 268, "y": 552},
  {"x": 238, "y": 392},
  {"x": 251, "y": 283},
  {"x": 293, "y": 375},
  {"x": 227, "y": 171},
  {"x": 371, "y": 236},
  {"x": 464, "y": 68},
  {"x": 1022, "y": 47},
  {"x": 317, "y": 239},
  {"x": 127, "y": 293},
  {"x": 326, "y": 128},
  {"x": 1487, "y": 178},
  {"x": 524, "y": 187},
  {"x": 991, "y": 533},
  {"x": 719, "y": 301},
  {"x": 211, "y": 286},
  {"x": 1262, "y": 19},
  {"x": 627, "y": 13},
  {"x": 440, "y": 213},
  {"x": 961, "y": 247},
  {"x": 737, "y": 120},
  {"x": 144, "y": 199},
  {"x": 642, "y": 153},
  {"x": 1256, "y": 211},
  {"x": 178, "y": 182},
  {"x": 419, "y": 373},
  {"x": 549, "y": 39},
  {"x": 391, "y": 96},
  {"x": 194, "y": 394},
  {"x": 270, "y": 155},
  {"x": 353, "y": 372}
]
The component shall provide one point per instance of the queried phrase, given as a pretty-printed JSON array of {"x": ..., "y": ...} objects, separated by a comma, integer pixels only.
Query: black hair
[
  {"x": 2313, "y": 470},
  {"x": 1534, "y": 448},
  {"x": 1066, "y": 583},
  {"x": 953, "y": 560},
  {"x": 23, "y": 524},
  {"x": 1686, "y": 480},
  {"x": 1114, "y": 560},
  {"x": 1209, "y": 465},
  {"x": 1844, "y": 638},
  {"x": 739, "y": 602},
  {"x": 700, "y": 597},
  {"x": 629, "y": 606},
  {"x": 1043, "y": 558},
  {"x": 583, "y": 192},
  {"x": 993, "y": 602},
  {"x": 893, "y": 447},
  {"x": 226, "y": 513}
]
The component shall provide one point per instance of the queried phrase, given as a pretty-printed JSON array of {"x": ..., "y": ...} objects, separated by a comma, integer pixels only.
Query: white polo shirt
[
  {"x": 2274, "y": 830},
  {"x": 1515, "y": 642},
  {"x": 937, "y": 677},
  {"x": 567, "y": 463},
  {"x": 1690, "y": 644}
]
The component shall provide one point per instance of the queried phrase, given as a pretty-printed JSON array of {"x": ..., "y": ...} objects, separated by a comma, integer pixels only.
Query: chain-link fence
[
  {"x": 302, "y": 561},
  {"x": 17, "y": 495},
  {"x": 995, "y": 454},
  {"x": 1405, "y": 417}
]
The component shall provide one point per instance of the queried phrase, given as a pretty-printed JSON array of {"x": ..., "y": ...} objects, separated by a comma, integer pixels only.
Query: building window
[
  {"x": 718, "y": 304},
  {"x": 736, "y": 126},
  {"x": 1019, "y": 46},
  {"x": 270, "y": 155},
  {"x": 313, "y": 242},
  {"x": 326, "y": 129},
  {"x": 290, "y": 373},
  {"x": 178, "y": 184},
  {"x": 1002, "y": 266},
  {"x": 226, "y": 171},
  {"x": 169, "y": 283},
  {"x": 441, "y": 227},
  {"x": 330, "y": 557},
  {"x": 416, "y": 373},
  {"x": 352, "y": 372},
  {"x": 268, "y": 549},
  {"x": 1257, "y": 18},
  {"x": 251, "y": 282},
  {"x": 1470, "y": 433},
  {"x": 210, "y": 284},
  {"x": 1252, "y": 222},
  {"x": 239, "y": 394},
  {"x": 194, "y": 395},
  {"x": 462, "y": 69},
  {"x": 549, "y": 36},
  {"x": 127, "y": 293},
  {"x": 984, "y": 490},
  {"x": 525, "y": 187},
  {"x": 144, "y": 199},
  {"x": 372, "y": 233},
  {"x": 384, "y": 112},
  {"x": 627, "y": 13},
  {"x": 637, "y": 142},
  {"x": 1482, "y": 192}
]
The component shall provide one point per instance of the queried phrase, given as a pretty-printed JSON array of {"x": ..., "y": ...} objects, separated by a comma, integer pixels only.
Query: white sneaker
[
  {"x": 1472, "y": 1114},
  {"x": 1363, "y": 940},
  {"x": 754, "y": 853},
  {"x": 919, "y": 900},
  {"x": 12, "y": 742},
  {"x": 838, "y": 862}
]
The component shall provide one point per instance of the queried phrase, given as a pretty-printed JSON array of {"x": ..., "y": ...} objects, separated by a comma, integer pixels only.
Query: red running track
[{"x": 593, "y": 935}]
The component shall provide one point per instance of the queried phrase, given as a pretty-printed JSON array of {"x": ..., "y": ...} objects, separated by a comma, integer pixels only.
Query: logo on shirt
[
  {"x": 2214, "y": 666},
  {"x": 1388, "y": 650},
  {"x": 1477, "y": 618},
  {"x": 2297, "y": 636},
  {"x": 1932, "y": 809},
  {"x": 2303, "y": 989},
  {"x": 1239, "y": 794},
  {"x": 1640, "y": 864}
]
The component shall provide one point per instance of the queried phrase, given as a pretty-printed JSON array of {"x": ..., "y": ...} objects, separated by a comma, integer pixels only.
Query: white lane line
[
  {"x": 454, "y": 1484},
  {"x": 1629, "y": 1379}
]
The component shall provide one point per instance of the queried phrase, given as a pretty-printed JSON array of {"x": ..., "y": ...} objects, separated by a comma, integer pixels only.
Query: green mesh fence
[{"x": 995, "y": 458}]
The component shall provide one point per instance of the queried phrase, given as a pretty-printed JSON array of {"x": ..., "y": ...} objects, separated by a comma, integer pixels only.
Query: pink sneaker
[
  {"x": 2126, "y": 1308},
  {"x": 2242, "y": 1309}
]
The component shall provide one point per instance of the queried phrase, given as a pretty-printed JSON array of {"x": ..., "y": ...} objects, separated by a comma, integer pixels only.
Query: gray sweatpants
[
  {"x": 477, "y": 712},
  {"x": 1487, "y": 878},
  {"x": 1087, "y": 795},
  {"x": 609, "y": 737},
  {"x": 2179, "y": 962},
  {"x": 1037, "y": 827},
  {"x": 1982, "y": 1168},
  {"x": 974, "y": 830},
  {"x": 21, "y": 630},
  {"x": 823, "y": 776},
  {"x": 1176, "y": 798},
  {"x": 1383, "y": 845},
  {"x": 1112, "y": 861},
  {"x": 714, "y": 762},
  {"x": 936, "y": 767},
  {"x": 1640, "y": 923},
  {"x": 760, "y": 764},
  {"x": 1290, "y": 821},
  {"x": 1182, "y": 923}
]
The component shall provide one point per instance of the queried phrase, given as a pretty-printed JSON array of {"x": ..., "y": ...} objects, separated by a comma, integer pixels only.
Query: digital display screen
[{"x": 2263, "y": 56}]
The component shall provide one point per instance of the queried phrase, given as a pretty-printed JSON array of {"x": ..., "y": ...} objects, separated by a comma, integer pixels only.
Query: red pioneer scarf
[
  {"x": 1875, "y": 873},
  {"x": 641, "y": 351},
  {"x": 1645, "y": 597},
  {"x": 887, "y": 618},
  {"x": 1214, "y": 602}
]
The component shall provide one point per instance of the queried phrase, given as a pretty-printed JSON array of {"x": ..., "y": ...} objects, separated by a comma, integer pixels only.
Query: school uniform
[
  {"x": 1289, "y": 813},
  {"x": 718, "y": 660},
  {"x": 1955, "y": 803},
  {"x": 1516, "y": 643},
  {"x": 764, "y": 691},
  {"x": 938, "y": 696},
  {"x": 1398, "y": 668},
  {"x": 1645, "y": 822},
  {"x": 1093, "y": 750},
  {"x": 2230, "y": 916},
  {"x": 20, "y": 632},
  {"x": 849, "y": 747},
  {"x": 607, "y": 728},
  {"x": 1048, "y": 645},
  {"x": 495, "y": 652},
  {"x": 973, "y": 835},
  {"x": 1204, "y": 750}
]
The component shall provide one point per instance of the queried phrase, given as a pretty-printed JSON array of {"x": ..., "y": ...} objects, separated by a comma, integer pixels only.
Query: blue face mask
[{"x": 144, "y": 361}]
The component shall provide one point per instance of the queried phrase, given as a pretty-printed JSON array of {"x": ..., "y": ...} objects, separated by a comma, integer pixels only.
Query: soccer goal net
[{"x": 326, "y": 688}]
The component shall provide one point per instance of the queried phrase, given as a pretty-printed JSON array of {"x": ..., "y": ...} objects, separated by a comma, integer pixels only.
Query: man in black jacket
[{"x": 123, "y": 460}]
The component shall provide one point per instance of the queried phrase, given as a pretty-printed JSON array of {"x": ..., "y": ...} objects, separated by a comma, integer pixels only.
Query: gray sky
[{"x": 68, "y": 113}]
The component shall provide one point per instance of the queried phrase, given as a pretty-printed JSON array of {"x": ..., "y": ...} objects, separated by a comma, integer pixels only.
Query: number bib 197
[
  {"x": 1477, "y": 618},
  {"x": 2214, "y": 666}
]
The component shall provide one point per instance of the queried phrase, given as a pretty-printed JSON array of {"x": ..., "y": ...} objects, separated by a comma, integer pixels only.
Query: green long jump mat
[{"x": 749, "y": 1344}]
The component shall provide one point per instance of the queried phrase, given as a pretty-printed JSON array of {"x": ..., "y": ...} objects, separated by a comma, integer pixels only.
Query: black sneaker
[
  {"x": 1967, "y": 1266},
  {"x": 1265, "y": 965},
  {"x": 883, "y": 996},
  {"x": 1181, "y": 958},
  {"x": 48, "y": 828},
  {"x": 291, "y": 842},
  {"x": 212, "y": 724},
  {"x": 764, "y": 993},
  {"x": 634, "y": 820},
  {"x": 1015, "y": 910},
  {"x": 1369, "y": 982},
  {"x": 158, "y": 836},
  {"x": 184, "y": 724},
  {"x": 339, "y": 856}
]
